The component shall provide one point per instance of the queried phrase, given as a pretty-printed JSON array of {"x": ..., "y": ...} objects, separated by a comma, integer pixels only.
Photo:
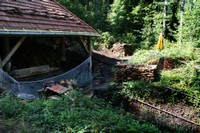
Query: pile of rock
[
  {"x": 122, "y": 49},
  {"x": 124, "y": 72}
]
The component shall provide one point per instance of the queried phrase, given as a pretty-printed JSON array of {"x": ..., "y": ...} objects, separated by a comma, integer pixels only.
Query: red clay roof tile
[{"x": 34, "y": 15}]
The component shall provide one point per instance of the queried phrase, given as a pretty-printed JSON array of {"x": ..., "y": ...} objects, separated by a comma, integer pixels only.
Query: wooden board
[{"x": 33, "y": 71}]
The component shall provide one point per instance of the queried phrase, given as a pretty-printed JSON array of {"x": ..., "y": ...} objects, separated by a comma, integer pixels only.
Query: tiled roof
[{"x": 33, "y": 17}]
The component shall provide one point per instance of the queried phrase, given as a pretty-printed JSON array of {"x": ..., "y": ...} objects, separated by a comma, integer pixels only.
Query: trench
[
  {"x": 167, "y": 117},
  {"x": 170, "y": 110}
]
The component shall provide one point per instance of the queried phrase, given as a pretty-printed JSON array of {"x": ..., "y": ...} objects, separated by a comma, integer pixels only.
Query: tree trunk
[
  {"x": 165, "y": 14},
  {"x": 181, "y": 21}
]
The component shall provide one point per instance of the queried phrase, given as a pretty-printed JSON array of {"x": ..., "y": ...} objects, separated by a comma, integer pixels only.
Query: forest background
[
  {"x": 140, "y": 22},
  {"x": 137, "y": 23}
]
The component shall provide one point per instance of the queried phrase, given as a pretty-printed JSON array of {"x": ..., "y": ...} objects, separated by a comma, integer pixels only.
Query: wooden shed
[{"x": 24, "y": 19}]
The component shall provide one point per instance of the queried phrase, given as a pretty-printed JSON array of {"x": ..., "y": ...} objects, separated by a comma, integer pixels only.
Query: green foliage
[
  {"x": 87, "y": 115},
  {"x": 144, "y": 56},
  {"x": 191, "y": 23},
  {"x": 129, "y": 38},
  {"x": 139, "y": 21},
  {"x": 158, "y": 94},
  {"x": 171, "y": 50},
  {"x": 105, "y": 39},
  {"x": 151, "y": 91},
  {"x": 117, "y": 16},
  {"x": 152, "y": 26},
  {"x": 185, "y": 77},
  {"x": 8, "y": 110},
  {"x": 94, "y": 12}
]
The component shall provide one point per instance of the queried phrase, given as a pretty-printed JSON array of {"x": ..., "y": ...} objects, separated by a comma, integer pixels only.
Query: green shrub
[
  {"x": 105, "y": 40},
  {"x": 171, "y": 50},
  {"x": 144, "y": 56},
  {"x": 87, "y": 115},
  {"x": 10, "y": 107}
]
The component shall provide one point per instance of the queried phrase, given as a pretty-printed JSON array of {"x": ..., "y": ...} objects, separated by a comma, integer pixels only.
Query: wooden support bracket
[
  {"x": 7, "y": 58},
  {"x": 85, "y": 45}
]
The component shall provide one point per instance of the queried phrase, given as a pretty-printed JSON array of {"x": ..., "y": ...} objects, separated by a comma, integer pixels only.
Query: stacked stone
[
  {"x": 135, "y": 72},
  {"x": 122, "y": 49}
]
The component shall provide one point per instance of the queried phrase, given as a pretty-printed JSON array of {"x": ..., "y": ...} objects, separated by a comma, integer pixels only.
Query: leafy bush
[
  {"x": 144, "y": 56},
  {"x": 186, "y": 79},
  {"x": 87, "y": 115},
  {"x": 174, "y": 51},
  {"x": 105, "y": 40},
  {"x": 129, "y": 38},
  {"x": 144, "y": 90}
]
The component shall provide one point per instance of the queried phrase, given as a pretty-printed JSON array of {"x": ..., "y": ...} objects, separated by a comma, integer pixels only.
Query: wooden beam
[
  {"x": 7, "y": 58},
  {"x": 33, "y": 71},
  {"x": 85, "y": 46}
]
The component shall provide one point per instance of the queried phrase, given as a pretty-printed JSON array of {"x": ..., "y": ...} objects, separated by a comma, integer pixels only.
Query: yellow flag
[{"x": 160, "y": 42}]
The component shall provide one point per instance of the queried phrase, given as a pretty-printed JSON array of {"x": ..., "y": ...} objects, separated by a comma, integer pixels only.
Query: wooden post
[
  {"x": 1, "y": 86},
  {"x": 0, "y": 62},
  {"x": 90, "y": 55},
  {"x": 89, "y": 46},
  {"x": 6, "y": 51},
  {"x": 10, "y": 54},
  {"x": 62, "y": 52},
  {"x": 63, "y": 58}
]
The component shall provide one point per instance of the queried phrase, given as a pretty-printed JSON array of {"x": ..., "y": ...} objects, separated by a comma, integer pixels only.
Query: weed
[{"x": 87, "y": 115}]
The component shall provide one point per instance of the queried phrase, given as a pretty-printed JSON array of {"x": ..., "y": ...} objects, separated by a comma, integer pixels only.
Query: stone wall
[{"x": 127, "y": 72}]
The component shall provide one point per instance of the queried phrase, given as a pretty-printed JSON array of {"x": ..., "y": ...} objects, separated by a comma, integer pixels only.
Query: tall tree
[
  {"x": 182, "y": 4},
  {"x": 117, "y": 16},
  {"x": 165, "y": 15},
  {"x": 191, "y": 23}
]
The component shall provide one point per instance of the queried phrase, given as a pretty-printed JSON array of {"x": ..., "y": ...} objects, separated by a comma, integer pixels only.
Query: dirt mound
[{"x": 118, "y": 50}]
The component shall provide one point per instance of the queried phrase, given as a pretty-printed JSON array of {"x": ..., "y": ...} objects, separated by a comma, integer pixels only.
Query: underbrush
[
  {"x": 83, "y": 115},
  {"x": 185, "y": 77},
  {"x": 174, "y": 51},
  {"x": 180, "y": 85},
  {"x": 161, "y": 93}
]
